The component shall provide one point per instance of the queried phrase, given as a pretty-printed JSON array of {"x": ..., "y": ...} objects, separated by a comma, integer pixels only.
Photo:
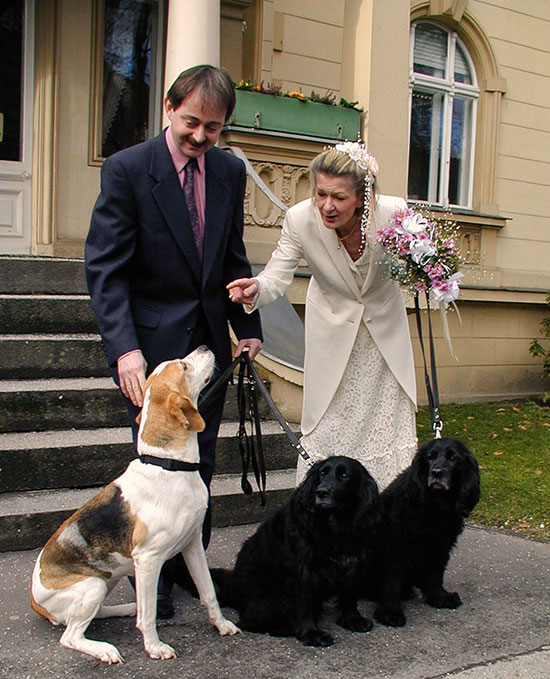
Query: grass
[{"x": 511, "y": 441}]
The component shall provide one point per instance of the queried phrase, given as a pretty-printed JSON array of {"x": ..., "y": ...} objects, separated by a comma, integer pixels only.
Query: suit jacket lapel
[
  {"x": 171, "y": 201},
  {"x": 217, "y": 193}
]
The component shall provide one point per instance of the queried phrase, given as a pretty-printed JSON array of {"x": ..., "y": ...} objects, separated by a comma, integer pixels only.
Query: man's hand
[
  {"x": 243, "y": 291},
  {"x": 131, "y": 375},
  {"x": 254, "y": 345}
]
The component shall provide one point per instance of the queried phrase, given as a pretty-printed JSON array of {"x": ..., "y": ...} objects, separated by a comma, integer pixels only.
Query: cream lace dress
[{"x": 370, "y": 417}]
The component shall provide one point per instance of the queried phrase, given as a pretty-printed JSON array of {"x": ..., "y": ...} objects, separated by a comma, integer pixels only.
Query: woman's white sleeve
[{"x": 279, "y": 271}]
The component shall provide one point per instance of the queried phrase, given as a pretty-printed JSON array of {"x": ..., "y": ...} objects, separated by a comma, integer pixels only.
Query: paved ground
[{"x": 501, "y": 631}]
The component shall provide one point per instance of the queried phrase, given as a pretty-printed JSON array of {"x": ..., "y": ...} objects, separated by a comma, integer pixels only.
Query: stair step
[
  {"x": 93, "y": 457},
  {"x": 42, "y": 405},
  {"x": 46, "y": 275},
  {"x": 46, "y": 313},
  {"x": 28, "y": 519},
  {"x": 42, "y": 356},
  {"x": 86, "y": 403}
]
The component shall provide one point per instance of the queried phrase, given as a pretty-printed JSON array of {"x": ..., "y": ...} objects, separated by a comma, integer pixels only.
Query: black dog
[
  {"x": 423, "y": 513},
  {"x": 305, "y": 553}
]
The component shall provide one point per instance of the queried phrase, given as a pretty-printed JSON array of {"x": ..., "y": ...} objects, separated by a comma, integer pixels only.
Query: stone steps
[
  {"x": 28, "y": 519},
  {"x": 63, "y": 425}
]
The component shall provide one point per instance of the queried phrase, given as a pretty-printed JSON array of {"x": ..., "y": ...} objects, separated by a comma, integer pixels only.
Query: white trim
[{"x": 15, "y": 176}]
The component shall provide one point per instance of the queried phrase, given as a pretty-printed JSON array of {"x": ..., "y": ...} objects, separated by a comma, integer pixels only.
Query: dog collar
[{"x": 170, "y": 465}]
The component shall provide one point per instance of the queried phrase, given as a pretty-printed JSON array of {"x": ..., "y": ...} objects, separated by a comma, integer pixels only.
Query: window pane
[
  {"x": 126, "y": 73},
  {"x": 462, "y": 72},
  {"x": 461, "y": 145},
  {"x": 430, "y": 50},
  {"x": 425, "y": 146},
  {"x": 11, "y": 77}
]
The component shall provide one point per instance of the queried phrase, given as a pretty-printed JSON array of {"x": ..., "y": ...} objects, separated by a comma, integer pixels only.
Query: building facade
[{"x": 456, "y": 102}]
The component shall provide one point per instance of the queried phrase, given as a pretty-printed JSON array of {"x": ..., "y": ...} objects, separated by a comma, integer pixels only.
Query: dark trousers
[{"x": 174, "y": 570}]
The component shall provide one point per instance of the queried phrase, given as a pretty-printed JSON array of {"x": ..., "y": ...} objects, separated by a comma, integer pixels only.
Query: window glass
[
  {"x": 11, "y": 78},
  {"x": 126, "y": 73},
  {"x": 461, "y": 126},
  {"x": 425, "y": 146},
  {"x": 430, "y": 50},
  {"x": 462, "y": 70}
]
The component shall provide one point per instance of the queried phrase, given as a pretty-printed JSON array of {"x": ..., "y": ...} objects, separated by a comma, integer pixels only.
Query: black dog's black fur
[
  {"x": 423, "y": 513},
  {"x": 305, "y": 553}
]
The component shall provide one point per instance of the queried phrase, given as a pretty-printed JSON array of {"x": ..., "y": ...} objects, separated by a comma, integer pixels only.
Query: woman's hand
[{"x": 243, "y": 290}]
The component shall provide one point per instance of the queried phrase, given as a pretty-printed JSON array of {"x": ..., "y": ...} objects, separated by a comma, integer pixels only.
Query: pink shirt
[{"x": 180, "y": 161}]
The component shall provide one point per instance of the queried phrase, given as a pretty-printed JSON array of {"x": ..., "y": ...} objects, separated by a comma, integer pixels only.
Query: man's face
[{"x": 195, "y": 125}]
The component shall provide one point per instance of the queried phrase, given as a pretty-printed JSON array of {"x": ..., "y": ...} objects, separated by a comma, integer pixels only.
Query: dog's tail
[{"x": 223, "y": 582}]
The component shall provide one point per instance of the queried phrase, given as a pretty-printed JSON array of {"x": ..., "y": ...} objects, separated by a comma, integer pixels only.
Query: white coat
[{"x": 335, "y": 306}]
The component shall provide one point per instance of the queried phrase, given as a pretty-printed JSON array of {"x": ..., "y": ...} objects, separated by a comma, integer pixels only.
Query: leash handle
[{"x": 283, "y": 423}]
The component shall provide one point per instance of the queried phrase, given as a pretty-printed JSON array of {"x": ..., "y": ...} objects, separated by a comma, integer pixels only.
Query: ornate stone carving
[{"x": 290, "y": 183}]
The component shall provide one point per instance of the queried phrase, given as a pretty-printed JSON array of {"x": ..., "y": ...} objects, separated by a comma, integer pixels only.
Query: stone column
[{"x": 193, "y": 36}]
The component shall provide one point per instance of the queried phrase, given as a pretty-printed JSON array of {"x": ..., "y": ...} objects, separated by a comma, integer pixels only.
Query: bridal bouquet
[{"x": 423, "y": 254}]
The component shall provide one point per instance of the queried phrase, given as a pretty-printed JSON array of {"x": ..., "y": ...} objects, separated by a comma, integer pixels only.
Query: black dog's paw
[
  {"x": 444, "y": 600},
  {"x": 315, "y": 637},
  {"x": 355, "y": 623},
  {"x": 391, "y": 616}
]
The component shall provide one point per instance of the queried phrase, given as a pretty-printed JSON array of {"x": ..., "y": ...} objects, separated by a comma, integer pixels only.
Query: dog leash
[
  {"x": 246, "y": 444},
  {"x": 431, "y": 386}
]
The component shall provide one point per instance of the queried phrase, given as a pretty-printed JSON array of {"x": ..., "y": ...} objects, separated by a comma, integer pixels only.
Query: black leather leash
[
  {"x": 251, "y": 447},
  {"x": 432, "y": 388}
]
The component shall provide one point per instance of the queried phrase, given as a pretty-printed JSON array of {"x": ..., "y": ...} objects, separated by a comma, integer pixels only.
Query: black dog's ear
[
  {"x": 368, "y": 506},
  {"x": 419, "y": 467},
  {"x": 304, "y": 494},
  {"x": 469, "y": 486}
]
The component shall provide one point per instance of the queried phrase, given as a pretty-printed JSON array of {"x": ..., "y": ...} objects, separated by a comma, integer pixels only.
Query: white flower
[
  {"x": 414, "y": 224},
  {"x": 421, "y": 250},
  {"x": 358, "y": 153},
  {"x": 448, "y": 290}
]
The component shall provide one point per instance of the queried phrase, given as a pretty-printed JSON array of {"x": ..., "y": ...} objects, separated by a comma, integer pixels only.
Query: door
[{"x": 16, "y": 95}]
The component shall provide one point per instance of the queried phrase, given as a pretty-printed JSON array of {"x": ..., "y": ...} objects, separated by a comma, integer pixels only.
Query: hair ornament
[{"x": 357, "y": 152}]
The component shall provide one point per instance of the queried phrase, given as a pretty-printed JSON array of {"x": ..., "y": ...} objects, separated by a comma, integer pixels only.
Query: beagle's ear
[{"x": 185, "y": 412}]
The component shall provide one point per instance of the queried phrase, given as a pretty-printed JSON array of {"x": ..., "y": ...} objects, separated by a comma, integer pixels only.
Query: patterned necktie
[{"x": 189, "y": 192}]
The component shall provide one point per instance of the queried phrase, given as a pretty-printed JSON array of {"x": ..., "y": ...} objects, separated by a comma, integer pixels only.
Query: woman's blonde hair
[{"x": 337, "y": 164}]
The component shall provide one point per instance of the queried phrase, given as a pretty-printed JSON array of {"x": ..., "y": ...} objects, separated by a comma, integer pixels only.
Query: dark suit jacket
[{"x": 147, "y": 285}]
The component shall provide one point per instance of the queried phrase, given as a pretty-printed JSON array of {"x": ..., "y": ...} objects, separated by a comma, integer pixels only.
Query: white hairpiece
[{"x": 357, "y": 152}]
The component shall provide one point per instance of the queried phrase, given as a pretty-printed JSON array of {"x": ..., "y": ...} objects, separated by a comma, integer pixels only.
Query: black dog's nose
[
  {"x": 436, "y": 472},
  {"x": 321, "y": 494}
]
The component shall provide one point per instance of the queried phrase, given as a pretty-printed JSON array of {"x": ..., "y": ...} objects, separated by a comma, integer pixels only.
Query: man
[{"x": 165, "y": 238}]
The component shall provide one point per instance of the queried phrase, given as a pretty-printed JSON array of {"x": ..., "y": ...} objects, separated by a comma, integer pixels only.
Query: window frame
[
  {"x": 156, "y": 99},
  {"x": 449, "y": 89}
]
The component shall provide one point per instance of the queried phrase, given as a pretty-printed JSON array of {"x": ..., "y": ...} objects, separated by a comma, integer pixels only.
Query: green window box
[{"x": 285, "y": 114}]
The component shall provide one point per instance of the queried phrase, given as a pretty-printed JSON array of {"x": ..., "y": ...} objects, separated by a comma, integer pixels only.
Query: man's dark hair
[{"x": 215, "y": 85}]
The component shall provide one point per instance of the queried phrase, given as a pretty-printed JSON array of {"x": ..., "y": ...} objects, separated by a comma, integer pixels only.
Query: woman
[{"x": 359, "y": 385}]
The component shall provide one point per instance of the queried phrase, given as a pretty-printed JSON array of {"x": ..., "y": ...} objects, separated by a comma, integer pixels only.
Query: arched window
[{"x": 443, "y": 104}]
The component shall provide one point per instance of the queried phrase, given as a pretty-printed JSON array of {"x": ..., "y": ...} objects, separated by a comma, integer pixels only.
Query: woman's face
[{"x": 337, "y": 201}]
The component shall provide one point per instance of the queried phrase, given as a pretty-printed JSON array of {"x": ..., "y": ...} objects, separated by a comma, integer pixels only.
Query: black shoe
[{"x": 165, "y": 607}]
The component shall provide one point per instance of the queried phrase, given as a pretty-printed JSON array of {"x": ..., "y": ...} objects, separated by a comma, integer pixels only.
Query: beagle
[{"x": 154, "y": 510}]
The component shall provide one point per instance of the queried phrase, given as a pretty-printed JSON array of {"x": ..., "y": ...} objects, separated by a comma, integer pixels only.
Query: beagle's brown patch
[
  {"x": 171, "y": 415},
  {"x": 83, "y": 545},
  {"x": 42, "y": 612}
]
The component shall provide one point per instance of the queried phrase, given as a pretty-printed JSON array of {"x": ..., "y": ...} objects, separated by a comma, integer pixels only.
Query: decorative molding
[
  {"x": 286, "y": 181},
  {"x": 95, "y": 157},
  {"x": 45, "y": 128},
  {"x": 453, "y": 8}
]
